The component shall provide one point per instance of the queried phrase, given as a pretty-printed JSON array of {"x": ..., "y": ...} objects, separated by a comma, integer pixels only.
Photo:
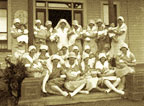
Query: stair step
[{"x": 60, "y": 100}]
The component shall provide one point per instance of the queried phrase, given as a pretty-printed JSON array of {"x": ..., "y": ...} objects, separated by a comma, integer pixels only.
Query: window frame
[
  {"x": 4, "y": 42},
  {"x": 6, "y": 8},
  {"x": 62, "y": 1},
  {"x": 117, "y": 3}
]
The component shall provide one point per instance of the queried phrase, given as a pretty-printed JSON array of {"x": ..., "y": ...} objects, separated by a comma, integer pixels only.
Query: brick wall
[
  {"x": 133, "y": 13},
  {"x": 18, "y": 5},
  {"x": 93, "y": 9},
  {"x": 136, "y": 28}
]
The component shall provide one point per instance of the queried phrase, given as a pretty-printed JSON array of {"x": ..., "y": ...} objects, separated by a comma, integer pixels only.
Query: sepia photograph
[{"x": 71, "y": 52}]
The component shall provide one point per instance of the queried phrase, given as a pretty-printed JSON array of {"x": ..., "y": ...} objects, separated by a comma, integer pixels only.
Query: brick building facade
[{"x": 131, "y": 10}]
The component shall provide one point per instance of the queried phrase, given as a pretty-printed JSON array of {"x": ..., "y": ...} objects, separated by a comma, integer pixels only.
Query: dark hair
[
  {"x": 24, "y": 26},
  {"x": 40, "y": 50},
  {"x": 123, "y": 47}
]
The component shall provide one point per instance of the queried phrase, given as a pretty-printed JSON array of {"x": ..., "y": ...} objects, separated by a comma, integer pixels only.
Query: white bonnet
[
  {"x": 43, "y": 47},
  {"x": 31, "y": 48}
]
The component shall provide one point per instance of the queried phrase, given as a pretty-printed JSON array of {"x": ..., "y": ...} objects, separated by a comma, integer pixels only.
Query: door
[{"x": 56, "y": 15}]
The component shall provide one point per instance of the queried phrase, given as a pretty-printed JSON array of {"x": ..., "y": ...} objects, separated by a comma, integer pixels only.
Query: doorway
[{"x": 56, "y": 15}]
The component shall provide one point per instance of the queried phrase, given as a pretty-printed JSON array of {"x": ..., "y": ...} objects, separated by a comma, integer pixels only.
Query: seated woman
[
  {"x": 30, "y": 61},
  {"x": 107, "y": 76},
  {"x": 92, "y": 60},
  {"x": 43, "y": 58},
  {"x": 87, "y": 50},
  {"x": 75, "y": 49},
  {"x": 73, "y": 81},
  {"x": 54, "y": 79},
  {"x": 109, "y": 56},
  {"x": 21, "y": 47},
  {"x": 125, "y": 63},
  {"x": 88, "y": 73},
  {"x": 63, "y": 52}
]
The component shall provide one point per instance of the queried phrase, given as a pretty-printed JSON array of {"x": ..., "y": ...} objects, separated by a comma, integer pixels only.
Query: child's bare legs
[
  {"x": 115, "y": 84},
  {"x": 111, "y": 86},
  {"x": 45, "y": 81},
  {"x": 77, "y": 90},
  {"x": 56, "y": 88},
  {"x": 122, "y": 83}
]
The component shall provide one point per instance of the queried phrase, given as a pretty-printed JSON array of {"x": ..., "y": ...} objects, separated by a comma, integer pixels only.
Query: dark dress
[{"x": 55, "y": 80}]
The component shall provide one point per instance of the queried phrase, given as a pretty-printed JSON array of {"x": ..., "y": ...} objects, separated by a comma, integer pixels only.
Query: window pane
[
  {"x": 106, "y": 14},
  {"x": 78, "y": 16},
  {"x": 3, "y": 44},
  {"x": 59, "y": 5},
  {"x": 3, "y": 36},
  {"x": 78, "y": 5},
  {"x": 40, "y": 4},
  {"x": 41, "y": 16},
  {"x": 3, "y": 20}
]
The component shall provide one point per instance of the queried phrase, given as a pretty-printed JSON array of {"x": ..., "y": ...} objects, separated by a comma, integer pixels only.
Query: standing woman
[
  {"x": 61, "y": 34},
  {"x": 15, "y": 32},
  {"x": 39, "y": 34},
  {"x": 120, "y": 31},
  {"x": 51, "y": 44},
  {"x": 101, "y": 35},
  {"x": 91, "y": 33},
  {"x": 25, "y": 35},
  {"x": 75, "y": 35}
]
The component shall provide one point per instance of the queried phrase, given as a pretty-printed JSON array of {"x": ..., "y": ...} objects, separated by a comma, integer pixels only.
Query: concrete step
[{"x": 60, "y": 100}]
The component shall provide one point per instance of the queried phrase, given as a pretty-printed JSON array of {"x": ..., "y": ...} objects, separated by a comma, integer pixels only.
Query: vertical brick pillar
[{"x": 30, "y": 21}]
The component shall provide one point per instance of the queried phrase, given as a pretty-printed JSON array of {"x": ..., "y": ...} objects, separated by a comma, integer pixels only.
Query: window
[
  {"x": 105, "y": 12},
  {"x": 78, "y": 16},
  {"x": 51, "y": 10},
  {"x": 41, "y": 14},
  {"x": 3, "y": 20},
  {"x": 78, "y": 5},
  {"x": 3, "y": 24}
]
